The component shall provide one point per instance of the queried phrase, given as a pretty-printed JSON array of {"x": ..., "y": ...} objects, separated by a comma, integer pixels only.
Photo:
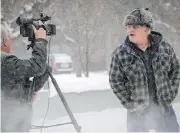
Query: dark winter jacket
[
  {"x": 15, "y": 83},
  {"x": 128, "y": 77}
]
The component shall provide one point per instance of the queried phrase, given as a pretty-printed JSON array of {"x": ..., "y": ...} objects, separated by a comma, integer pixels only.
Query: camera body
[{"x": 26, "y": 29}]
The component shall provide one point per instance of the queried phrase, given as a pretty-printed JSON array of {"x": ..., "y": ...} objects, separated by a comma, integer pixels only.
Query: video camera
[{"x": 26, "y": 29}]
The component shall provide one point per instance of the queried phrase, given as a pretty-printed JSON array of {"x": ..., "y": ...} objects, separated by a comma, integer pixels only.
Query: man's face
[
  {"x": 5, "y": 46},
  {"x": 137, "y": 33}
]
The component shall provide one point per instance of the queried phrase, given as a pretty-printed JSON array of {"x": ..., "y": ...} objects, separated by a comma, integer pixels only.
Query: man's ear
[
  {"x": 4, "y": 43},
  {"x": 147, "y": 30}
]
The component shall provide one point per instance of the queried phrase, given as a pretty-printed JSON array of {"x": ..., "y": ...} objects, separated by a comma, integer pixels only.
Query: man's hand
[
  {"x": 34, "y": 96},
  {"x": 40, "y": 33}
]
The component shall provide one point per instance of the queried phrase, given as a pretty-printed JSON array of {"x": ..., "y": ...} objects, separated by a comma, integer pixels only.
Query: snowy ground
[
  {"x": 110, "y": 119},
  {"x": 70, "y": 83}
]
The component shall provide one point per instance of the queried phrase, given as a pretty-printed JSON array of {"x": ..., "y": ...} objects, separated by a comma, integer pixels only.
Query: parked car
[{"x": 61, "y": 63}]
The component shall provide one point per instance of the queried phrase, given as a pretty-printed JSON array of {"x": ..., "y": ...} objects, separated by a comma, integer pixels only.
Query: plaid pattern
[{"x": 128, "y": 77}]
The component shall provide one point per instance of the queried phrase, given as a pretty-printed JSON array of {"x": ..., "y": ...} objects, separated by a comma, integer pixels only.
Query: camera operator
[{"x": 16, "y": 111}]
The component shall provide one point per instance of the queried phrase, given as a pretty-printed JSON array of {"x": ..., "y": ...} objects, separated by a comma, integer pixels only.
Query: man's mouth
[{"x": 131, "y": 34}]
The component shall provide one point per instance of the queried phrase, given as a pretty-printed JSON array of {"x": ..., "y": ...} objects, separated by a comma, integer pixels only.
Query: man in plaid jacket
[{"x": 144, "y": 75}]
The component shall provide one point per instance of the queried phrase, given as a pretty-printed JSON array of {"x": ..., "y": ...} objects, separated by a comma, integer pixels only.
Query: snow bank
[{"x": 70, "y": 83}]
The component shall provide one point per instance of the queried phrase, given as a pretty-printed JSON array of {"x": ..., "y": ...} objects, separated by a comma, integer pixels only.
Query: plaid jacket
[{"x": 128, "y": 77}]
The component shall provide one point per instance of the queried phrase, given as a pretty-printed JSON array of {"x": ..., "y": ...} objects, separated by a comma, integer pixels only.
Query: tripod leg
[{"x": 74, "y": 122}]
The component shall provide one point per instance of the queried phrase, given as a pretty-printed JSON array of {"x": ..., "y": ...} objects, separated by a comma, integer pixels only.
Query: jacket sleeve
[
  {"x": 40, "y": 80},
  {"x": 174, "y": 75},
  {"x": 35, "y": 66},
  {"x": 117, "y": 82}
]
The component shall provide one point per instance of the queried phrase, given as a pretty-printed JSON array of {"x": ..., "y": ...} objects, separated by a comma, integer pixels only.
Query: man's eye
[{"x": 129, "y": 26}]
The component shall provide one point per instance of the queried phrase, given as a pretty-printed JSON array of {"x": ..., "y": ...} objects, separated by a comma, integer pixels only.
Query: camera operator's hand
[{"x": 40, "y": 33}]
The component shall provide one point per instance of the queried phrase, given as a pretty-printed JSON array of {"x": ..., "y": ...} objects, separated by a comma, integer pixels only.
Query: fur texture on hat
[{"x": 139, "y": 17}]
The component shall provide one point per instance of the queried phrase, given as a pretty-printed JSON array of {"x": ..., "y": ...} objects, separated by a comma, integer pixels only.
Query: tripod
[{"x": 73, "y": 120}]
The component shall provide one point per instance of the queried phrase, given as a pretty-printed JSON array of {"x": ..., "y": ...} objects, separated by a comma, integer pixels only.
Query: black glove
[{"x": 40, "y": 80}]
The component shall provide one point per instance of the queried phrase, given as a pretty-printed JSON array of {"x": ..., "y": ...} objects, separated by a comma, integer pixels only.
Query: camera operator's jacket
[
  {"x": 15, "y": 74},
  {"x": 128, "y": 77},
  {"x": 15, "y": 71}
]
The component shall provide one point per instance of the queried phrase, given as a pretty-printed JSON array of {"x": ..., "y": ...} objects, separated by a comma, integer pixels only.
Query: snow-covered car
[{"x": 61, "y": 63}]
